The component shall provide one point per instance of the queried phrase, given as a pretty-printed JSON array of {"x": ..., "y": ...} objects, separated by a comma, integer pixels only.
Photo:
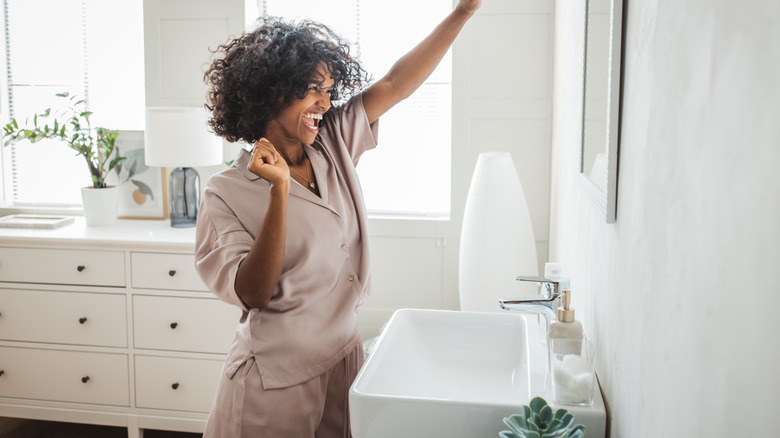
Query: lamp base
[{"x": 184, "y": 187}]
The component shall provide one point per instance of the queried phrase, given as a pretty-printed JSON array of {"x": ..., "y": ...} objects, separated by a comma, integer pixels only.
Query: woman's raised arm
[{"x": 409, "y": 72}]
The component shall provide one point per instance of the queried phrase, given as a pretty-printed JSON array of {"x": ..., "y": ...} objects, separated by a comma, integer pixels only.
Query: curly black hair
[{"x": 256, "y": 75}]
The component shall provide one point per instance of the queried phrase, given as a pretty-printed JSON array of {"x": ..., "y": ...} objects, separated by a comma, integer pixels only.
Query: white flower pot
[{"x": 100, "y": 205}]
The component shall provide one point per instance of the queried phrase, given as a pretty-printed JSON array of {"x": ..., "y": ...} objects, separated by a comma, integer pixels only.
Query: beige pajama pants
[{"x": 314, "y": 409}]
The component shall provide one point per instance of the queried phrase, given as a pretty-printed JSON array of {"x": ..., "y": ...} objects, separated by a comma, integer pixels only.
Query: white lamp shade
[
  {"x": 497, "y": 241},
  {"x": 180, "y": 137}
]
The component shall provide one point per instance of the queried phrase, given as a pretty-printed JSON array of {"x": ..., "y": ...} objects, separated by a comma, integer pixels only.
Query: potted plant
[
  {"x": 538, "y": 420},
  {"x": 97, "y": 146}
]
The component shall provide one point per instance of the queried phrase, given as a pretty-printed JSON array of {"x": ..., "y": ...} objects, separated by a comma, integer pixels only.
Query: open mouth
[{"x": 312, "y": 121}]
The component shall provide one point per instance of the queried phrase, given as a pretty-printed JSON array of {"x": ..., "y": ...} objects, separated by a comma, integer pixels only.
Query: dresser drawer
[
  {"x": 184, "y": 324},
  {"x": 69, "y": 376},
  {"x": 63, "y": 317},
  {"x": 165, "y": 271},
  {"x": 62, "y": 266},
  {"x": 176, "y": 383}
]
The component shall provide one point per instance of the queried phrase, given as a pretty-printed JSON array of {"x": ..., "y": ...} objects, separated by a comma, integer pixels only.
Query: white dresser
[{"x": 109, "y": 325}]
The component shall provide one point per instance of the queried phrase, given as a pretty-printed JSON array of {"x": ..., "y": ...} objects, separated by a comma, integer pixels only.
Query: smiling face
[{"x": 298, "y": 123}]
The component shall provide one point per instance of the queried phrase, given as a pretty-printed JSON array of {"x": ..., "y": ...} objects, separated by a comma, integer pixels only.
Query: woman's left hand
[
  {"x": 469, "y": 6},
  {"x": 412, "y": 69}
]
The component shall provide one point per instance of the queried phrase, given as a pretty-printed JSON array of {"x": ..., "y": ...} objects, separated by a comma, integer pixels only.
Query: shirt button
[
  {"x": 344, "y": 247},
  {"x": 351, "y": 277}
]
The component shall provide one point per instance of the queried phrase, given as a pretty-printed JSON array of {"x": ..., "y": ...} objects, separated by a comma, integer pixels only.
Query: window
[
  {"x": 81, "y": 47},
  {"x": 409, "y": 173},
  {"x": 77, "y": 46}
]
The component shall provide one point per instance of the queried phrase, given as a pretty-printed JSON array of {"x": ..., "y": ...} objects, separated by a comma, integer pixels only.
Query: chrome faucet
[{"x": 546, "y": 304}]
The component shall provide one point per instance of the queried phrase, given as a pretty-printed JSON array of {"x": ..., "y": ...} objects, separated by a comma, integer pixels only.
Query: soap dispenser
[{"x": 566, "y": 327}]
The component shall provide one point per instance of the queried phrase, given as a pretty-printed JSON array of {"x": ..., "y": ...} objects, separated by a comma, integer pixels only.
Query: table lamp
[{"x": 179, "y": 137}]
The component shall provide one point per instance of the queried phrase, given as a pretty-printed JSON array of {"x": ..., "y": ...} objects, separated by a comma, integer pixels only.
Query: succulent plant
[{"x": 538, "y": 420}]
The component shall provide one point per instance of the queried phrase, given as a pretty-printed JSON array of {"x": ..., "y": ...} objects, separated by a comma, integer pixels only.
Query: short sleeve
[
  {"x": 221, "y": 243},
  {"x": 348, "y": 127}
]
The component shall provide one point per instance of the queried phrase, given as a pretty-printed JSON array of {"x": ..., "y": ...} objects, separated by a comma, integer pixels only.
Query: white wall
[{"x": 679, "y": 295}]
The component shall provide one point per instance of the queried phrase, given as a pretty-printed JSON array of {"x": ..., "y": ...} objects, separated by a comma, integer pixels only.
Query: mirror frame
[{"x": 606, "y": 202}]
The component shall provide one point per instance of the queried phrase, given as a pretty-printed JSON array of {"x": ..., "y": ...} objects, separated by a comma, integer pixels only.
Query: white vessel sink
[{"x": 454, "y": 374}]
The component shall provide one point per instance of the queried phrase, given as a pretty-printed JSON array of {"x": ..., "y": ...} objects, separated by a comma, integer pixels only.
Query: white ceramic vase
[
  {"x": 497, "y": 241},
  {"x": 100, "y": 205}
]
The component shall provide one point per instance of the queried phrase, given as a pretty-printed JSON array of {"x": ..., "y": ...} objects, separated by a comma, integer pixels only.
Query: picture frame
[{"x": 142, "y": 192}]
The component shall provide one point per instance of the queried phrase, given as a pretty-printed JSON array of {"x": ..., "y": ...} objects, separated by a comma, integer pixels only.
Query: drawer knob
[
  {"x": 175, "y": 386},
  {"x": 81, "y": 268},
  {"x": 172, "y": 272},
  {"x": 85, "y": 379},
  {"x": 2, "y": 372},
  {"x": 82, "y": 320},
  {"x": 174, "y": 325}
]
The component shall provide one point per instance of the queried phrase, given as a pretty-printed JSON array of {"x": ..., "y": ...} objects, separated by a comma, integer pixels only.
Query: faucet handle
[{"x": 552, "y": 287}]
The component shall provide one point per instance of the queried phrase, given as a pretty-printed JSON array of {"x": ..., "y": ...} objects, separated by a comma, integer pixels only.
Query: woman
[{"x": 281, "y": 233}]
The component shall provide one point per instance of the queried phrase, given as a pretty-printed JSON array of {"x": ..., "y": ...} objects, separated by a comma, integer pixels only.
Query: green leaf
[
  {"x": 63, "y": 94},
  {"x": 565, "y": 418},
  {"x": 114, "y": 162},
  {"x": 577, "y": 431},
  {"x": 516, "y": 422},
  {"x": 537, "y": 404}
]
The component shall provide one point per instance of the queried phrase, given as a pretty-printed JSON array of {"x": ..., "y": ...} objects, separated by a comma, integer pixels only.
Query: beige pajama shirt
[{"x": 305, "y": 345}]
